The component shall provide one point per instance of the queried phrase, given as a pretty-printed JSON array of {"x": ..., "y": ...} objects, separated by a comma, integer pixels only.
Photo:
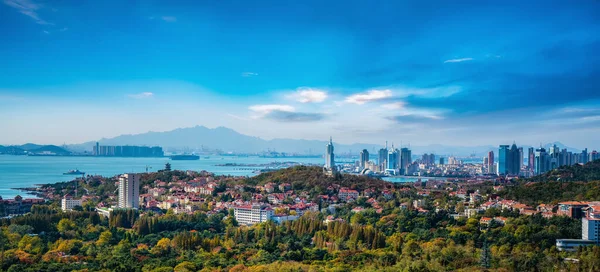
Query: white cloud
[
  {"x": 309, "y": 95},
  {"x": 394, "y": 106},
  {"x": 169, "y": 19},
  {"x": 458, "y": 60},
  {"x": 249, "y": 74},
  {"x": 64, "y": 29},
  {"x": 142, "y": 95},
  {"x": 265, "y": 109},
  {"x": 46, "y": 32},
  {"x": 372, "y": 95},
  {"x": 28, "y": 8}
]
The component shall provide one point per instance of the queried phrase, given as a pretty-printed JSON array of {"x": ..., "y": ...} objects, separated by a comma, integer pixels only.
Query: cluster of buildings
[
  {"x": 17, "y": 205},
  {"x": 127, "y": 151},
  {"x": 589, "y": 212},
  {"x": 511, "y": 160}
]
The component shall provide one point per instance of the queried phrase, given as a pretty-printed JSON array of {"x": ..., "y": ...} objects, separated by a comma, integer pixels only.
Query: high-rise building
[
  {"x": 531, "y": 159},
  {"x": 405, "y": 159},
  {"x": 441, "y": 161},
  {"x": 329, "y": 158},
  {"x": 541, "y": 161},
  {"x": 364, "y": 158},
  {"x": 508, "y": 160},
  {"x": 428, "y": 159},
  {"x": 129, "y": 191},
  {"x": 584, "y": 156},
  {"x": 490, "y": 163},
  {"x": 503, "y": 157},
  {"x": 521, "y": 158},
  {"x": 393, "y": 159},
  {"x": 382, "y": 158}
]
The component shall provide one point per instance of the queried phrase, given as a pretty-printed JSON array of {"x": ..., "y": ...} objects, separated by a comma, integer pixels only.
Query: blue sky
[{"x": 426, "y": 72}]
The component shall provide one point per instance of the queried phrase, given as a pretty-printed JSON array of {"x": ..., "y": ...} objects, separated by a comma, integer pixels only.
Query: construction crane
[{"x": 148, "y": 167}]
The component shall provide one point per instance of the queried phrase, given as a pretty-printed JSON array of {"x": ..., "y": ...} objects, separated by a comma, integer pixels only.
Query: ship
[
  {"x": 74, "y": 172},
  {"x": 185, "y": 157}
]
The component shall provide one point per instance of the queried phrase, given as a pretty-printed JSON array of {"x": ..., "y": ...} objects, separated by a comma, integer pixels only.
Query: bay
[{"x": 27, "y": 171}]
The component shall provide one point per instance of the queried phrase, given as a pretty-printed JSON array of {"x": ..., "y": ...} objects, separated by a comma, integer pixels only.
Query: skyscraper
[
  {"x": 521, "y": 158},
  {"x": 405, "y": 159},
  {"x": 508, "y": 160},
  {"x": 531, "y": 159},
  {"x": 382, "y": 158},
  {"x": 329, "y": 157},
  {"x": 364, "y": 158},
  {"x": 515, "y": 160},
  {"x": 129, "y": 191},
  {"x": 503, "y": 157},
  {"x": 393, "y": 161},
  {"x": 541, "y": 161},
  {"x": 490, "y": 162}
]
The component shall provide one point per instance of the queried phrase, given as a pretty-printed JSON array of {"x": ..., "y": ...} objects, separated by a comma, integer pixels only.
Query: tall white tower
[{"x": 129, "y": 191}]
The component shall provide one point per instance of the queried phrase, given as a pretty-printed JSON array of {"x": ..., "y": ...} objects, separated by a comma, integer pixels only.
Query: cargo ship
[{"x": 185, "y": 157}]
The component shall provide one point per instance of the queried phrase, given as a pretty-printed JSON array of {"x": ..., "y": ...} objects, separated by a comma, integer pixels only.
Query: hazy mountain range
[{"x": 229, "y": 140}]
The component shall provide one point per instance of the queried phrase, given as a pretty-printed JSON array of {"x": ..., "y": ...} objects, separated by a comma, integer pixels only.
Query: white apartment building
[
  {"x": 252, "y": 214},
  {"x": 68, "y": 203},
  {"x": 129, "y": 191},
  {"x": 590, "y": 233}
]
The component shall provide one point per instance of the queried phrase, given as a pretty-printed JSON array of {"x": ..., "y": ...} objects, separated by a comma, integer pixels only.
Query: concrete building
[
  {"x": 252, "y": 213},
  {"x": 68, "y": 203},
  {"x": 129, "y": 191},
  {"x": 405, "y": 160}
]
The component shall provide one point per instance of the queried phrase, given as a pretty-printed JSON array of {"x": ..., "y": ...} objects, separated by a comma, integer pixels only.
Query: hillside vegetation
[
  {"x": 312, "y": 177},
  {"x": 587, "y": 172},
  {"x": 576, "y": 182}
]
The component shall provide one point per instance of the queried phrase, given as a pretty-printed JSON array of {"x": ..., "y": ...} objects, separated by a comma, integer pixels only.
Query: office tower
[
  {"x": 583, "y": 157},
  {"x": 515, "y": 162},
  {"x": 521, "y": 158},
  {"x": 541, "y": 161},
  {"x": 382, "y": 158},
  {"x": 441, "y": 161},
  {"x": 129, "y": 191},
  {"x": 508, "y": 160},
  {"x": 405, "y": 159},
  {"x": 490, "y": 162},
  {"x": 329, "y": 157},
  {"x": 428, "y": 159},
  {"x": 393, "y": 161},
  {"x": 503, "y": 157},
  {"x": 364, "y": 158},
  {"x": 531, "y": 159}
]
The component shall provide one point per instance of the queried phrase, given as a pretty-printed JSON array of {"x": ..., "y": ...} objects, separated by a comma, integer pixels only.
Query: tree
[
  {"x": 485, "y": 256},
  {"x": 105, "y": 238},
  {"x": 185, "y": 267},
  {"x": 65, "y": 225}
]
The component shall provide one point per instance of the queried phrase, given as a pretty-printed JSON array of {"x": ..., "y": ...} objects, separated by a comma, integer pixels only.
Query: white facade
[
  {"x": 129, "y": 191},
  {"x": 252, "y": 214},
  {"x": 589, "y": 228},
  {"x": 68, "y": 203}
]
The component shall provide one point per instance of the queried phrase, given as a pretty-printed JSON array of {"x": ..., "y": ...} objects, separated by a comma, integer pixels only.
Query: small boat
[
  {"x": 74, "y": 172},
  {"x": 207, "y": 157}
]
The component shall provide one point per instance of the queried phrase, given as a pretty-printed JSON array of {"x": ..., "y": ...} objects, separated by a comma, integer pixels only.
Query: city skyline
[{"x": 461, "y": 74}]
